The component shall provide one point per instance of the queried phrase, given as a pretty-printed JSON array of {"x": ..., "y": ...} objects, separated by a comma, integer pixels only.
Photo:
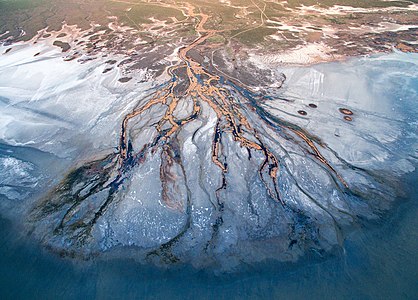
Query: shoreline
[{"x": 146, "y": 179}]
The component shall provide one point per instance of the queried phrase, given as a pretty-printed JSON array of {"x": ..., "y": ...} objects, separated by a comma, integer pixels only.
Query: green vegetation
[
  {"x": 255, "y": 36},
  {"x": 33, "y": 15},
  {"x": 141, "y": 13},
  {"x": 12, "y": 5},
  {"x": 338, "y": 21},
  {"x": 354, "y": 3},
  {"x": 217, "y": 39}
]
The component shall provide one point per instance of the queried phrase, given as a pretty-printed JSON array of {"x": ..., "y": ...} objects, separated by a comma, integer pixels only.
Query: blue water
[{"x": 378, "y": 261}]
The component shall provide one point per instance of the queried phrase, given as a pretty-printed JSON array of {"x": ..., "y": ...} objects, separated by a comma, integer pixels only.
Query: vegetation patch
[{"x": 255, "y": 36}]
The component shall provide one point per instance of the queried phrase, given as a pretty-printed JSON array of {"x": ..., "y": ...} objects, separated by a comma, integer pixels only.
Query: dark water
[{"x": 379, "y": 262}]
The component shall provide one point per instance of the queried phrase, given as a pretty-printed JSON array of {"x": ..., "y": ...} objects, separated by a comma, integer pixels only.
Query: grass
[
  {"x": 255, "y": 36},
  {"x": 12, "y": 5},
  {"x": 141, "y": 13},
  {"x": 354, "y": 3},
  {"x": 217, "y": 39}
]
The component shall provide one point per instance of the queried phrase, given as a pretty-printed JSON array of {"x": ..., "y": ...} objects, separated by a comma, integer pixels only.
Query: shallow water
[{"x": 376, "y": 261}]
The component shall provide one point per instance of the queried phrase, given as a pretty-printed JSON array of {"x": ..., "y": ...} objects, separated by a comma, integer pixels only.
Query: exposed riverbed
[{"x": 344, "y": 125}]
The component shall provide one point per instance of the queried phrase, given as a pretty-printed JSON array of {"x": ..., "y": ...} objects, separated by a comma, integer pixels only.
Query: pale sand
[{"x": 308, "y": 54}]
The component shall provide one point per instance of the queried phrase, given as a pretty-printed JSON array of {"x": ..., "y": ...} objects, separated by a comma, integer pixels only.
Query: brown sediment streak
[
  {"x": 319, "y": 156},
  {"x": 230, "y": 119},
  {"x": 216, "y": 146},
  {"x": 203, "y": 87},
  {"x": 168, "y": 178}
]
